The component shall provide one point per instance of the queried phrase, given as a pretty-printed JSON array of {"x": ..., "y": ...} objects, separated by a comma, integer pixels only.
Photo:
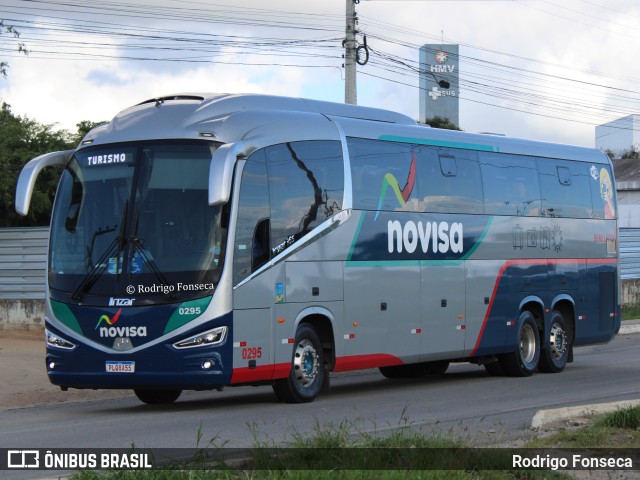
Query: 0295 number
[{"x": 250, "y": 353}]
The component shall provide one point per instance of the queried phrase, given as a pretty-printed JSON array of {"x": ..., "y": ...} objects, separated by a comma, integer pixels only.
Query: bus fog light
[
  {"x": 205, "y": 339},
  {"x": 52, "y": 365},
  {"x": 207, "y": 364}
]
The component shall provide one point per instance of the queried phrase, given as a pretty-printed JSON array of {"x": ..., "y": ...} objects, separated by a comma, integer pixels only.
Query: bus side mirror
[
  {"x": 29, "y": 174},
  {"x": 221, "y": 172}
]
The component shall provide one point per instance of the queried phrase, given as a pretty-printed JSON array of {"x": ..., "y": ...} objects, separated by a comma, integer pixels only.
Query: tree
[
  {"x": 10, "y": 29},
  {"x": 632, "y": 152},
  {"x": 441, "y": 122},
  {"x": 22, "y": 139}
]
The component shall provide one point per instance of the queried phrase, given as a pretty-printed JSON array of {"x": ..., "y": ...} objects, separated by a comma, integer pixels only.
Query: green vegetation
[
  {"x": 618, "y": 429},
  {"x": 441, "y": 122},
  {"x": 344, "y": 452},
  {"x": 630, "y": 312},
  {"x": 22, "y": 139},
  {"x": 339, "y": 452}
]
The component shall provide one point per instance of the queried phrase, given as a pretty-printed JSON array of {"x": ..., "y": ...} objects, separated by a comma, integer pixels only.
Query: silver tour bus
[{"x": 199, "y": 241}]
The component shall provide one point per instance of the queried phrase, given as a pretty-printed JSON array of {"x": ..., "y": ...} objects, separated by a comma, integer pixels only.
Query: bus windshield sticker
[
  {"x": 606, "y": 193},
  {"x": 279, "y": 293}
]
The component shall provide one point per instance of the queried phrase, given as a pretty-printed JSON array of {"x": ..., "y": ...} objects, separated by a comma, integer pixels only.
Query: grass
[
  {"x": 344, "y": 451},
  {"x": 618, "y": 429},
  {"x": 630, "y": 312}
]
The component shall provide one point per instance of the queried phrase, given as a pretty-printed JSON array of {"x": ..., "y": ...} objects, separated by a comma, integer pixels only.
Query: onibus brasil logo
[
  {"x": 112, "y": 332},
  {"x": 407, "y": 236}
]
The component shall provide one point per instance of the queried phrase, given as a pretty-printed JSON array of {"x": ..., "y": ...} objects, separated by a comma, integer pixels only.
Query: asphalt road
[{"x": 465, "y": 402}]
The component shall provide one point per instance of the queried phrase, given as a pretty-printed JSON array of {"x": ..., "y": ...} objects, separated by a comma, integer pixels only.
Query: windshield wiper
[
  {"x": 137, "y": 247},
  {"x": 98, "y": 268}
]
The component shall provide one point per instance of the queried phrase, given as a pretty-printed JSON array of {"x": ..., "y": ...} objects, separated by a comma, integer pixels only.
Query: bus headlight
[
  {"x": 55, "y": 341},
  {"x": 205, "y": 339}
]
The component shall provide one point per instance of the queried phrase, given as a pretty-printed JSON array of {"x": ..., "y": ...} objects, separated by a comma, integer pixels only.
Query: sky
[{"x": 534, "y": 69}]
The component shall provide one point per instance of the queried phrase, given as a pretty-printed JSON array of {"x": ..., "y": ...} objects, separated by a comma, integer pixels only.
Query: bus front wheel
[
  {"x": 307, "y": 373},
  {"x": 157, "y": 397},
  {"x": 524, "y": 361},
  {"x": 555, "y": 355}
]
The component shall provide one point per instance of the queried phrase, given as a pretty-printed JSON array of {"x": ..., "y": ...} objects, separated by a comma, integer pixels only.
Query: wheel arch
[
  {"x": 567, "y": 308},
  {"x": 322, "y": 321},
  {"x": 535, "y": 305}
]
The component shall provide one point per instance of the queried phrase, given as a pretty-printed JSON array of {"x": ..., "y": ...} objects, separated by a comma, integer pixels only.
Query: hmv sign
[{"x": 439, "y": 63}]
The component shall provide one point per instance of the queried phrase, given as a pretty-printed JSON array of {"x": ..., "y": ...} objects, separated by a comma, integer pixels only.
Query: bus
[{"x": 204, "y": 241}]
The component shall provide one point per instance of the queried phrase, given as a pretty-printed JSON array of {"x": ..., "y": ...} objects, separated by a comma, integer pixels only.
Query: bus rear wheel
[
  {"x": 524, "y": 360},
  {"x": 554, "y": 356},
  {"x": 307, "y": 373},
  {"x": 157, "y": 397}
]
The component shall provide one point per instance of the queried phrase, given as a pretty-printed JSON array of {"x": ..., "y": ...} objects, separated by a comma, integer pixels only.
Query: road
[{"x": 465, "y": 402}]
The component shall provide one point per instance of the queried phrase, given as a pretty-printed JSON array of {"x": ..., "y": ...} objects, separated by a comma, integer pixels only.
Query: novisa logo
[
  {"x": 112, "y": 331},
  {"x": 440, "y": 236}
]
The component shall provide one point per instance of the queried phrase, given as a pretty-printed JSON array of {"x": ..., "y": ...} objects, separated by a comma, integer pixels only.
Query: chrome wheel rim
[
  {"x": 527, "y": 344},
  {"x": 557, "y": 341},
  {"x": 305, "y": 363}
]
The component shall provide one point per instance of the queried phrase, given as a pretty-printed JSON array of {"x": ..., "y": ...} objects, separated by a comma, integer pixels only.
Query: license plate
[{"x": 121, "y": 367}]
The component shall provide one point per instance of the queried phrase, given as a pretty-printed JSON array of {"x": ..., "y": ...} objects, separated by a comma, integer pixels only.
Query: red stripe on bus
[
  {"x": 532, "y": 261},
  {"x": 359, "y": 362}
]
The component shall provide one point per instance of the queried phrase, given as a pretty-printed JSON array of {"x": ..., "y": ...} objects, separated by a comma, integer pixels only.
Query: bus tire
[
  {"x": 524, "y": 360},
  {"x": 554, "y": 356},
  {"x": 157, "y": 397},
  {"x": 306, "y": 377}
]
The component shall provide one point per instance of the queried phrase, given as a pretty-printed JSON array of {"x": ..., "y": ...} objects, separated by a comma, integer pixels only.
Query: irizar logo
[
  {"x": 120, "y": 302},
  {"x": 440, "y": 236}
]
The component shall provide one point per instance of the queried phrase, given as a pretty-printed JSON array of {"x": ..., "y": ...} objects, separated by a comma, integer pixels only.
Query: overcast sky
[{"x": 536, "y": 69}]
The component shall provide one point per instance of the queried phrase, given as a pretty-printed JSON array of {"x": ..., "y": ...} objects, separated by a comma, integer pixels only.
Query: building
[
  {"x": 439, "y": 63},
  {"x": 619, "y": 135}
]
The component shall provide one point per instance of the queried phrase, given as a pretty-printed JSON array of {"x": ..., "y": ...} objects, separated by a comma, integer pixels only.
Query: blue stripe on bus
[{"x": 440, "y": 143}]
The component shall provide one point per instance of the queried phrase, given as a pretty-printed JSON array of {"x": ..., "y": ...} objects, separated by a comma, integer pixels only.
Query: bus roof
[{"x": 230, "y": 118}]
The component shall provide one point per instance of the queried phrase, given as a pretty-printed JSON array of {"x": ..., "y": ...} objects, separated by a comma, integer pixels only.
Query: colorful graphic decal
[
  {"x": 279, "y": 293},
  {"x": 109, "y": 321},
  {"x": 606, "y": 193},
  {"x": 441, "y": 56},
  {"x": 144, "y": 322},
  {"x": 390, "y": 180}
]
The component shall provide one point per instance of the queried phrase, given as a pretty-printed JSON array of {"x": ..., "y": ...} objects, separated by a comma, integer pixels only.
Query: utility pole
[{"x": 350, "y": 89}]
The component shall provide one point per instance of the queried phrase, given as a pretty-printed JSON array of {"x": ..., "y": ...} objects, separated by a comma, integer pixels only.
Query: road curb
[
  {"x": 633, "y": 328},
  {"x": 543, "y": 418}
]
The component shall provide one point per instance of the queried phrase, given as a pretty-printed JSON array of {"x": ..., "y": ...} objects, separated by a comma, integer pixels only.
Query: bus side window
[
  {"x": 306, "y": 187},
  {"x": 565, "y": 188},
  {"x": 511, "y": 185},
  {"x": 253, "y": 218},
  {"x": 449, "y": 181},
  {"x": 260, "y": 249}
]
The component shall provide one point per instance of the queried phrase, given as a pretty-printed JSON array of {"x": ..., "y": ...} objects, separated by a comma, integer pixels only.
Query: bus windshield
[{"x": 132, "y": 221}]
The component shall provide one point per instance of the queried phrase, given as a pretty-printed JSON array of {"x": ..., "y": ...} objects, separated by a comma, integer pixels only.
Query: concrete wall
[
  {"x": 21, "y": 315},
  {"x": 631, "y": 292}
]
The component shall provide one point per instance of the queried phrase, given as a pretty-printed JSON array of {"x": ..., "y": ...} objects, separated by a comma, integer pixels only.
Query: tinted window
[
  {"x": 383, "y": 174},
  {"x": 306, "y": 183},
  {"x": 449, "y": 181},
  {"x": 565, "y": 188},
  {"x": 253, "y": 208},
  {"x": 510, "y": 185}
]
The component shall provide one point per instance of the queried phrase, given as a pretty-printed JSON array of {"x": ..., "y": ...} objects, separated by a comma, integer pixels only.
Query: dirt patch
[{"x": 24, "y": 377}]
